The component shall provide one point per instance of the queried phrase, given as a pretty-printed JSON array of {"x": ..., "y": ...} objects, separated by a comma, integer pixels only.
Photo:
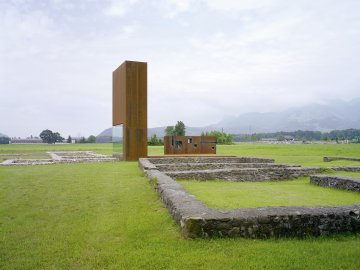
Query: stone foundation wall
[
  {"x": 328, "y": 159},
  {"x": 247, "y": 174},
  {"x": 176, "y": 160},
  {"x": 340, "y": 182},
  {"x": 345, "y": 168},
  {"x": 61, "y": 157},
  {"x": 27, "y": 162},
  {"x": 197, "y": 220},
  {"x": 228, "y": 168},
  {"x": 213, "y": 166},
  {"x": 274, "y": 222}
]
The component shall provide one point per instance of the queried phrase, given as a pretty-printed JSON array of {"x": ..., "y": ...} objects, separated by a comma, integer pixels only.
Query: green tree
[
  {"x": 169, "y": 131},
  {"x": 91, "y": 139},
  {"x": 47, "y": 136},
  {"x": 221, "y": 137},
  {"x": 280, "y": 137},
  {"x": 57, "y": 137},
  {"x": 180, "y": 128},
  {"x": 50, "y": 137},
  {"x": 154, "y": 140},
  {"x": 69, "y": 139}
]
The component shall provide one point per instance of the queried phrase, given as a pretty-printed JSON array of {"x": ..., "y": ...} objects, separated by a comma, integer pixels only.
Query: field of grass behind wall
[
  {"x": 107, "y": 216},
  {"x": 302, "y": 154}
]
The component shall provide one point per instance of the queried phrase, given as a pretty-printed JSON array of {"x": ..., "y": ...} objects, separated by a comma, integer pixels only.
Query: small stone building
[{"x": 189, "y": 145}]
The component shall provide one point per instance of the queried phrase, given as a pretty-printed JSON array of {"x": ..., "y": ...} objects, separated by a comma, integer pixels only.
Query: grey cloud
[{"x": 217, "y": 57}]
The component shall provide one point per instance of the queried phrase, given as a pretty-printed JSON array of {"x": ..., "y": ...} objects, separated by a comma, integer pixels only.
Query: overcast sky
[{"x": 207, "y": 59}]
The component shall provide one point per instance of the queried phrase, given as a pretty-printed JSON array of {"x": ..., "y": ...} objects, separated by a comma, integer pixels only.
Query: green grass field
[
  {"x": 305, "y": 155},
  {"x": 107, "y": 216},
  {"x": 349, "y": 174},
  {"x": 299, "y": 192}
]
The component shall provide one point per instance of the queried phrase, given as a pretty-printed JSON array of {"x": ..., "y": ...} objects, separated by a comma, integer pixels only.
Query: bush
[
  {"x": 154, "y": 140},
  {"x": 221, "y": 137}
]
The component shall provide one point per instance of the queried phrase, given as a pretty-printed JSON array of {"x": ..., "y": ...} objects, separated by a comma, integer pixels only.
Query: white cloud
[
  {"x": 239, "y": 5},
  {"x": 128, "y": 29},
  {"x": 119, "y": 8},
  {"x": 217, "y": 57},
  {"x": 173, "y": 8},
  {"x": 178, "y": 6}
]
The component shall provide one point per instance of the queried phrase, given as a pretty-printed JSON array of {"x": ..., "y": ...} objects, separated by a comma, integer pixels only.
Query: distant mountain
[
  {"x": 315, "y": 117},
  {"x": 335, "y": 115},
  {"x": 105, "y": 136}
]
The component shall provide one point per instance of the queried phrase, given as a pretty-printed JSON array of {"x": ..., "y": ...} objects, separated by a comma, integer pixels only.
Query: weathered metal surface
[
  {"x": 130, "y": 107},
  {"x": 180, "y": 145}
]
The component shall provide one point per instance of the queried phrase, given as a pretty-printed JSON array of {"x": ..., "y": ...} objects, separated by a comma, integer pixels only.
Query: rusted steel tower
[{"x": 130, "y": 110}]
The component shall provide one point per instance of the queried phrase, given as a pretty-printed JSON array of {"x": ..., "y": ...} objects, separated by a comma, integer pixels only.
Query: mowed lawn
[
  {"x": 301, "y": 154},
  {"x": 107, "y": 216},
  {"x": 298, "y": 192}
]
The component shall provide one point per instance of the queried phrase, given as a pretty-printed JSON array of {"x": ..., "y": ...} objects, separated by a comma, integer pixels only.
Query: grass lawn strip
[
  {"x": 299, "y": 192},
  {"x": 107, "y": 216}
]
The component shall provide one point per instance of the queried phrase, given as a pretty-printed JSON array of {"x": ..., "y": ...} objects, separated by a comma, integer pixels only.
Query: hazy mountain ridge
[
  {"x": 326, "y": 117},
  {"x": 314, "y": 117}
]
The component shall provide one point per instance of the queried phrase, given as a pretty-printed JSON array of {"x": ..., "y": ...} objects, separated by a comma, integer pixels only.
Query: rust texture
[
  {"x": 189, "y": 145},
  {"x": 130, "y": 107}
]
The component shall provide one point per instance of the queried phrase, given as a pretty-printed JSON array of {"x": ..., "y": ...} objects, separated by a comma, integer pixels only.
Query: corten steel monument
[
  {"x": 189, "y": 145},
  {"x": 130, "y": 109}
]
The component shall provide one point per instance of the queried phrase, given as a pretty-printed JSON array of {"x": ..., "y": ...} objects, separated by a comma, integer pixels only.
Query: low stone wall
[
  {"x": 197, "y": 220},
  {"x": 213, "y": 166},
  {"x": 61, "y": 157},
  {"x": 246, "y": 174},
  {"x": 27, "y": 162},
  {"x": 229, "y": 168},
  {"x": 177, "y": 160},
  {"x": 345, "y": 168},
  {"x": 340, "y": 182},
  {"x": 328, "y": 159}
]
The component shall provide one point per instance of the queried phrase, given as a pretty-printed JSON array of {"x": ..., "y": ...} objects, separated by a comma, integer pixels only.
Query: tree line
[
  {"x": 221, "y": 137},
  {"x": 51, "y": 137},
  {"x": 301, "y": 135},
  {"x": 177, "y": 130}
]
